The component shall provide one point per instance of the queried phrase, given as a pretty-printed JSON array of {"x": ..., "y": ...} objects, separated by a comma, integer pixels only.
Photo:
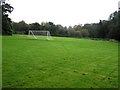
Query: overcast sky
[{"x": 64, "y": 12}]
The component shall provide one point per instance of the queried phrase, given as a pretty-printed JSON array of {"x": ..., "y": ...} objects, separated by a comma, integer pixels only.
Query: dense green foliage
[
  {"x": 62, "y": 62},
  {"x": 6, "y": 21},
  {"x": 105, "y": 29}
]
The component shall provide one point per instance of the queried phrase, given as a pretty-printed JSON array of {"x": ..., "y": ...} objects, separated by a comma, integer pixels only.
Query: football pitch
[{"x": 58, "y": 63}]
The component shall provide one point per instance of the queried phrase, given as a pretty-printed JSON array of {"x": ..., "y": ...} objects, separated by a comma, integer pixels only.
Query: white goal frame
[{"x": 31, "y": 32}]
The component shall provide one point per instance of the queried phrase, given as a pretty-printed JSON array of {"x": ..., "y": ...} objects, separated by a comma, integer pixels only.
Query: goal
[{"x": 37, "y": 34}]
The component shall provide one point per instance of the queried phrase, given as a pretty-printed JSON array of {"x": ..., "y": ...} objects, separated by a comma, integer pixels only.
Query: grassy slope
[{"x": 62, "y": 62}]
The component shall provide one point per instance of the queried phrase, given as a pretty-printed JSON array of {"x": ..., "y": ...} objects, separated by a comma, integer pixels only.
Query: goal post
[{"x": 37, "y": 34}]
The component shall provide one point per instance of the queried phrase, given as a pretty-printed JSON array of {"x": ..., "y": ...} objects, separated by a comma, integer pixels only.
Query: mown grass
[
  {"x": 0, "y": 61},
  {"x": 59, "y": 63}
]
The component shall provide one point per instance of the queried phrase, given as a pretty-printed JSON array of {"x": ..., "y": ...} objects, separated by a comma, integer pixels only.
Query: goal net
[{"x": 35, "y": 34}]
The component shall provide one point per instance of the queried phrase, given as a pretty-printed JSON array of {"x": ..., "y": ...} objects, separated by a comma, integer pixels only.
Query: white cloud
[{"x": 65, "y": 12}]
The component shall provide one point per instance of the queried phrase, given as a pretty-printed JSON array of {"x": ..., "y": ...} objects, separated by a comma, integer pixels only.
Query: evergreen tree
[{"x": 6, "y": 21}]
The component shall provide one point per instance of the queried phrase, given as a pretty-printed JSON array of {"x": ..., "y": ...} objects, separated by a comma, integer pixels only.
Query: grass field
[{"x": 59, "y": 63}]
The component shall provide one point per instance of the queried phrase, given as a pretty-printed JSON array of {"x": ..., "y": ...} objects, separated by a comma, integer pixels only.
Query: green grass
[
  {"x": 59, "y": 63},
  {"x": 0, "y": 61}
]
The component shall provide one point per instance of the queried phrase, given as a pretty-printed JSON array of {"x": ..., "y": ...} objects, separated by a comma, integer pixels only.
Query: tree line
[{"x": 104, "y": 29}]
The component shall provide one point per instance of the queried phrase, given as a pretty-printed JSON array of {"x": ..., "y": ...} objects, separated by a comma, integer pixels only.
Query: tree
[
  {"x": 61, "y": 31},
  {"x": 77, "y": 27},
  {"x": 114, "y": 25},
  {"x": 84, "y": 33},
  {"x": 20, "y": 27},
  {"x": 6, "y": 21},
  {"x": 118, "y": 26},
  {"x": 50, "y": 26},
  {"x": 34, "y": 26}
]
